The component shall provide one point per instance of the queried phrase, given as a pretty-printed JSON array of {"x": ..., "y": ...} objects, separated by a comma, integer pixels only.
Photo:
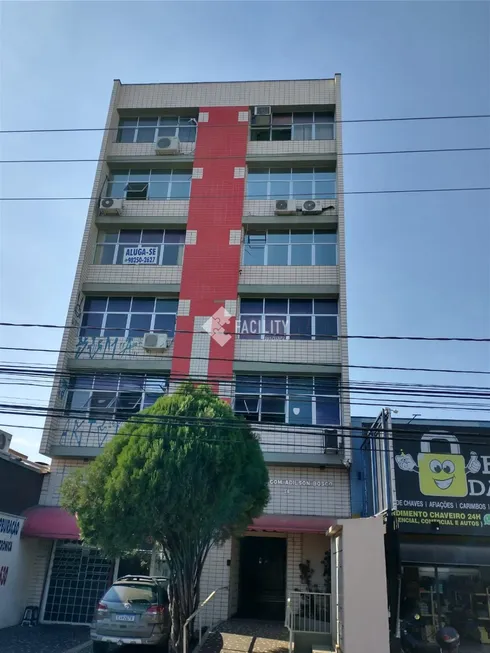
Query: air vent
[{"x": 262, "y": 115}]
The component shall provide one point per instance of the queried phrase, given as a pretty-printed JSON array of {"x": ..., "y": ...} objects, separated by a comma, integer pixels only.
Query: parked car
[{"x": 135, "y": 610}]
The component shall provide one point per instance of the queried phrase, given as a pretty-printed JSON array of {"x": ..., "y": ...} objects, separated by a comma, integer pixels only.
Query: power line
[
  {"x": 308, "y": 195},
  {"x": 237, "y": 335},
  {"x": 269, "y": 156},
  {"x": 241, "y": 125}
]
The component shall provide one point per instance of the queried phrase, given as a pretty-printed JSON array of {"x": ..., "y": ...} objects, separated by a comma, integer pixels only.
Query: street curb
[{"x": 78, "y": 648}]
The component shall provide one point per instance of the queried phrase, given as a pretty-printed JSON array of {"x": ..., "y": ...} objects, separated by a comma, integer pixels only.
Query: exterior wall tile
[
  {"x": 291, "y": 274},
  {"x": 264, "y": 148},
  {"x": 267, "y": 207},
  {"x": 289, "y": 351},
  {"x": 146, "y": 149},
  {"x": 142, "y": 208},
  {"x": 134, "y": 274}
]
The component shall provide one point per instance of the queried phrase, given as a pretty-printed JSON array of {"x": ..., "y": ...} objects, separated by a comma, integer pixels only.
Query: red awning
[
  {"x": 51, "y": 522},
  {"x": 292, "y": 524}
]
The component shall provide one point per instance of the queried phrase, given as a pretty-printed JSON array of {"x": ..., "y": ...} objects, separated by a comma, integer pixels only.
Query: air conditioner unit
[
  {"x": 155, "y": 341},
  {"x": 5, "y": 439},
  {"x": 167, "y": 145},
  {"x": 262, "y": 115},
  {"x": 331, "y": 441},
  {"x": 311, "y": 207},
  {"x": 111, "y": 206},
  {"x": 285, "y": 207}
]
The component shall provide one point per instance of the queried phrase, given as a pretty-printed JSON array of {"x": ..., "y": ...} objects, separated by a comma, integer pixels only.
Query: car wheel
[{"x": 100, "y": 647}]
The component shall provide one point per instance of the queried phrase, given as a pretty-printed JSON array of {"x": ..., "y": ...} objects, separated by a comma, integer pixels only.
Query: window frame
[
  {"x": 278, "y": 127},
  {"x": 146, "y": 183},
  {"x": 117, "y": 244},
  {"x": 293, "y": 178},
  {"x": 181, "y": 123},
  {"x": 264, "y": 316},
  {"x": 128, "y": 313},
  {"x": 111, "y": 410},
  {"x": 288, "y": 395},
  {"x": 290, "y": 244}
]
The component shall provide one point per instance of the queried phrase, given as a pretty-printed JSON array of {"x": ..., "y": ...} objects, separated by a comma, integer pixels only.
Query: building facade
[
  {"x": 216, "y": 226},
  {"x": 431, "y": 478}
]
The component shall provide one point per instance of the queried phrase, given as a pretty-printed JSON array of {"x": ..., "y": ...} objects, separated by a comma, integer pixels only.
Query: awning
[
  {"x": 292, "y": 524},
  {"x": 51, "y": 522}
]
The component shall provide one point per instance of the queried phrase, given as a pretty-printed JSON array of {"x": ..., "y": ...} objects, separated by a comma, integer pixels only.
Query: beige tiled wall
[
  {"x": 147, "y": 149},
  {"x": 275, "y": 438},
  {"x": 276, "y": 148},
  {"x": 292, "y": 274},
  {"x": 118, "y": 349},
  {"x": 137, "y": 208},
  {"x": 134, "y": 274},
  {"x": 215, "y": 575},
  {"x": 311, "y": 499},
  {"x": 60, "y": 469},
  {"x": 276, "y": 93},
  {"x": 38, "y": 571},
  {"x": 289, "y": 351},
  {"x": 267, "y": 207}
]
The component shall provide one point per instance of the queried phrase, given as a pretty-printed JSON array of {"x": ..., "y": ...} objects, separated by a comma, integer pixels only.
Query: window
[
  {"x": 112, "y": 245},
  {"x": 296, "y": 126},
  {"x": 148, "y": 130},
  {"x": 297, "y": 183},
  {"x": 290, "y": 247},
  {"x": 113, "y": 396},
  {"x": 292, "y": 319},
  {"x": 146, "y": 184},
  {"x": 128, "y": 317},
  {"x": 288, "y": 399}
]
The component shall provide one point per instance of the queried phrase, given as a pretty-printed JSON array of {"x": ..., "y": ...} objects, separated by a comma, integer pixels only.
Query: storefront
[{"x": 433, "y": 480}]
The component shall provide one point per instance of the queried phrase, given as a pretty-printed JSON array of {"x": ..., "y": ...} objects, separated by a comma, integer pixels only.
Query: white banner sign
[{"x": 140, "y": 256}]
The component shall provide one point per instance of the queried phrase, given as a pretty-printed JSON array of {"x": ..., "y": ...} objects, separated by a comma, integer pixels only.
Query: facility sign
[
  {"x": 140, "y": 256},
  {"x": 442, "y": 481}
]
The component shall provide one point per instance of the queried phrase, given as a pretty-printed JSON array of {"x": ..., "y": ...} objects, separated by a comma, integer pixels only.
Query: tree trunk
[{"x": 184, "y": 600}]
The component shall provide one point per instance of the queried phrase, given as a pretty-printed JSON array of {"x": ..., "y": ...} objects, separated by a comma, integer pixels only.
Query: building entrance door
[{"x": 262, "y": 580}]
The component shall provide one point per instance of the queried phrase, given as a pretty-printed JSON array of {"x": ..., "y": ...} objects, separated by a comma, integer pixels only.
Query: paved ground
[
  {"x": 248, "y": 636},
  {"x": 42, "y": 639}
]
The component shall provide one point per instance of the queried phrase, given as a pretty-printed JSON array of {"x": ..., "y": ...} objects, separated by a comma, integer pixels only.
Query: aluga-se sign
[{"x": 442, "y": 478}]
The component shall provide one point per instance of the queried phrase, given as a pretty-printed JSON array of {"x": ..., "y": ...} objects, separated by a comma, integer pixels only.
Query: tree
[{"x": 186, "y": 472}]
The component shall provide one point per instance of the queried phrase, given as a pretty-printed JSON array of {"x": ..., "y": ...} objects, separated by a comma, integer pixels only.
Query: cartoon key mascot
[{"x": 440, "y": 474}]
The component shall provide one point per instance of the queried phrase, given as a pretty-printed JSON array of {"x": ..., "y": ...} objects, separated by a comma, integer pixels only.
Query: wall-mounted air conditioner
[
  {"x": 5, "y": 439},
  {"x": 167, "y": 145},
  {"x": 311, "y": 207},
  {"x": 110, "y": 206},
  {"x": 155, "y": 341},
  {"x": 285, "y": 207},
  {"x": 262, "y": 115}
]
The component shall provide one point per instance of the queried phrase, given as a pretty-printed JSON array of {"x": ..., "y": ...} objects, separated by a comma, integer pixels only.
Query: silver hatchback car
[{"x": 135, "y": 610}]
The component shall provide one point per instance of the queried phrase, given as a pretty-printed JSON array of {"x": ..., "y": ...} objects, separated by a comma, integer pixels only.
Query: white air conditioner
[
  {"x": 155, "y": 341},
  {"x": 262, "y": 115},
  {"x": 167, "y": 145},
  {"x": 111, "y": 206},
  {"x": 5, "y": 439},
  {"x": 285, "y": 207},
  {"x": 311, "y": 207},
  {"x": 331, "y": 441}
]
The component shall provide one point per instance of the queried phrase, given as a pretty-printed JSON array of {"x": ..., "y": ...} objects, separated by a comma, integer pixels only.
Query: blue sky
[{"x": 418, "y": 264}]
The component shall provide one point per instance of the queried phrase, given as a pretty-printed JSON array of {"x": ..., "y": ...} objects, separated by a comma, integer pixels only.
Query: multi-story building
[{"x": 212, "y": 198}]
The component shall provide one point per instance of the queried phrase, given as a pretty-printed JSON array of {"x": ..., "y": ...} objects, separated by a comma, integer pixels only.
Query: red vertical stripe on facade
[{"x": 212, "y": 266}]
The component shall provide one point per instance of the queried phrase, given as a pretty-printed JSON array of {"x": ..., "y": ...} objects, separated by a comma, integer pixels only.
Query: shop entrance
[
  {"x": 453, "y": 596},
  {"x": 262, "y": 580}
]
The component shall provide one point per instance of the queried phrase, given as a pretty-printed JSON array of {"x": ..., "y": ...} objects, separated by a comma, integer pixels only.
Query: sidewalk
[{"x": 44, "y": 639}]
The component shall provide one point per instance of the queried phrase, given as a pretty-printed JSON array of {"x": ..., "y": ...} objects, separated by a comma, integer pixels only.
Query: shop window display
[{"x": 453, "y": 596}]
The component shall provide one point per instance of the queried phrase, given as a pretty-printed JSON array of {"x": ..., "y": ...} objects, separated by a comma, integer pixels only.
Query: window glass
[
  {"x": 280, "y": 174},
  {"x": 125, "y": 135},
  {"x": 324, "y": 189},
  {"x": 301, "y": 255},
  {"x": 279, "y": 306},
  {"x": 327, "y": 306},
  {"x": 130, "y": 236},
  {"x": 120, "y": 304},
  {"x": 277, "y": 237},
  {"x": 105, "y": 254},
  {"x": 300, "y": 410},
  {"x": 300, "y": 306},
  {"x": 167, "y": 131},
  {"x": 152, "y": 236},
  {"x": 279, "y": 189},
  {"x": 300, "y": 385},
  {"x": 247, "y": 384},
  {"x": 300, "y": 327},
  {"x": 91, "y": 325},
  {"x": 277, "y": 255},
  {"x": 145, "y": 135},
  {"x": 172, "y": 255},
  {"x": 257, "y": 190},
  {"x": 327, "y": 410},
  {"x": 116, "y": 190},
  {"x": 95, "y": 304},
  {"x": 115, "y": 325},
  {"x": 137, "y": 191},
  {"x": 302, "y": 118},
  {"x": 260, "y": 134},
  {"x": 253, "y": 255},
  {"x": 323, "y": 132},
  {"x": 325, "y": 327},
  {"x": 161, "y": 175},
  {"x": 174, "y": 237},
  {"x": 302, "y": 189},
  {"x": 325, "y": 255},
  {"x": 187, "y": 134},
  {"x": 303, "y": 132},
  {"x": 158, "y": 190},
  {"x": 180, "y": 190},
  {"x": 252, "y": 305},
  {"x": 273, "y": 409},
  {"x": 281, "y": 119},
  {"x": 139, "y": 325},
  {"x": 143, "y": 305},
  {"x": 281, "y": 134},
  {"x": 167, "y": 305},
  {"x": 325, "y": 236},
  {"x": 139, "y": 175},
  {"x": 274, "y": 385},
  {"x": 132, "y": 593},
  {"x": 258, "y": 174},
  {"x": 165, "y": 324}
]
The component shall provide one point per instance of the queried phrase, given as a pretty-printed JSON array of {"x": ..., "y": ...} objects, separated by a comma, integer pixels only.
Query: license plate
[{"x": 125, "y": 617}]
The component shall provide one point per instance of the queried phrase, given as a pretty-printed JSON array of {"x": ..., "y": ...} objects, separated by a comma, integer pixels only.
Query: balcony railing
[{"x": 309, "y": 612}]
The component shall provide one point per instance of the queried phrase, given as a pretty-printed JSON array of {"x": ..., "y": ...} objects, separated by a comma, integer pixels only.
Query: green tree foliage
[{"x": 186, "y": 472}]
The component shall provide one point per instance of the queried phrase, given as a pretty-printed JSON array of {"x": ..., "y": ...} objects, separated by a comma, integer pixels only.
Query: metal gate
[{"x": 78, "y": 577}]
